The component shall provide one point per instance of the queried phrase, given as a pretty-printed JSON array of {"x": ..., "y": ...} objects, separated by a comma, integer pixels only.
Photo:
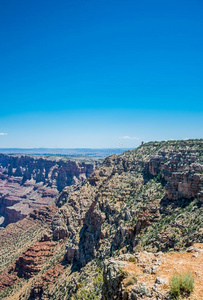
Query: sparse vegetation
[
  {"x": 122, "y": 272},
  {"x": 181, "y": 284},
  {"x": 130, "y": 280},
  {"x": 132, "y": 259},
  {"x": 90, "y": 291}
]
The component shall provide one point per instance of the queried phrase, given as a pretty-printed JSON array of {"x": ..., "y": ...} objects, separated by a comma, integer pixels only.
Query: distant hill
[{"x": 75, "y": 152}]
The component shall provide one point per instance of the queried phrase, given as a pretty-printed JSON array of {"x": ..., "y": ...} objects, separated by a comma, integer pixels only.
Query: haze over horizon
[{"x": 100, "y": 74}]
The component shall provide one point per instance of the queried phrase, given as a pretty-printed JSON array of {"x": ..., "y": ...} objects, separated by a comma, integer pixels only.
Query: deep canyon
[
  {"x": 29, "y": 182},
  {"x": 119, "y": 234}
]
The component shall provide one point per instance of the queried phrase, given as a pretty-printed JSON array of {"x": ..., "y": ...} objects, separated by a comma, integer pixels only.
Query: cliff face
[
  {"x": 28, "y": 182},
  {"x": 181, "y": 170},
  {"x": 133, "y": 209},
  {"x": 139, "y": 199}
]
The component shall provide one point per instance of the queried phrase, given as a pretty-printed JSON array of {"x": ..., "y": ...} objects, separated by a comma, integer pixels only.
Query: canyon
[
  {"x": 28, "y": 182},
  {"x": 119, "y": 234}
]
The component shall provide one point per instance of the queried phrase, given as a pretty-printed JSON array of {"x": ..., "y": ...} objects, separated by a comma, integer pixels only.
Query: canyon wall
[
  {"x": 135, "y": 214},
  {"x": 29, "y": 182}
]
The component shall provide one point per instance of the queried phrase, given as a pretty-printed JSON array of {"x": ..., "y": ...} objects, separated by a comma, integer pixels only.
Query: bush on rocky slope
[{"x": 181, "y": 284}]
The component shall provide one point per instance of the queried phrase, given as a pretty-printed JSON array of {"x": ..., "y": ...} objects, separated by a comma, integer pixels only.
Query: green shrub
[
  {"x": 132, "y": 259},
  {"x": 122, "y": 272},
  {"x": 130, "y": 280},
  {"x": 181, "y": 284}
]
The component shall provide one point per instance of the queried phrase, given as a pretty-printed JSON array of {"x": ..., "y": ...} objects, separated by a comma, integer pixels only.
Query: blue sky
[{"x": 100, "y": 73}]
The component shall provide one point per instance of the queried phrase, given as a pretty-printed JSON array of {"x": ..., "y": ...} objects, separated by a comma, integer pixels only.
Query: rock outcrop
[
  {"x": 181, "y": 171},
  {"x": 147, "y": 275},
  {"x": 32, "y": 261},
  {"x": 113, "y": 276}
]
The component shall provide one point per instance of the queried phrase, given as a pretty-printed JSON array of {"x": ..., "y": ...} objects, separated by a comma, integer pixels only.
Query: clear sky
[{"x": 100, "y": 73}]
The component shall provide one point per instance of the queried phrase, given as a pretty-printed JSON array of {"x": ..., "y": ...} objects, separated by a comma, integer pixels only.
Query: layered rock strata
[{"x": 28, "y": 182}]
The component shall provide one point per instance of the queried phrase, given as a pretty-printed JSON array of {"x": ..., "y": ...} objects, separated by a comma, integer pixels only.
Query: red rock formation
[
  {"x": 7, "y": 280},
  {"x": 47, "y": 280},
  {"x": 31, "y": 261}
]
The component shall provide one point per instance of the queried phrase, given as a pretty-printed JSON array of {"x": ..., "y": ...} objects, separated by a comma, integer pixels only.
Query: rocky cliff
[
  {"x": 141, "y": 199},
  {"x": 28, "y": 182},
  {"x": 114, "y": 236}
]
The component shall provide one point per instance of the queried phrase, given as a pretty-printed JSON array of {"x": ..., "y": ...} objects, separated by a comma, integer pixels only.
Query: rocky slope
[
  {"x": 147, "y": 275},
  {"x": 137, "y": 208},
  {"x": 29, "y": 182}
]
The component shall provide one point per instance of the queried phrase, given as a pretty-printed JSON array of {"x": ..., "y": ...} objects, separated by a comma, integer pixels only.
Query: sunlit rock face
[{"x": 29, "y": 182}]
